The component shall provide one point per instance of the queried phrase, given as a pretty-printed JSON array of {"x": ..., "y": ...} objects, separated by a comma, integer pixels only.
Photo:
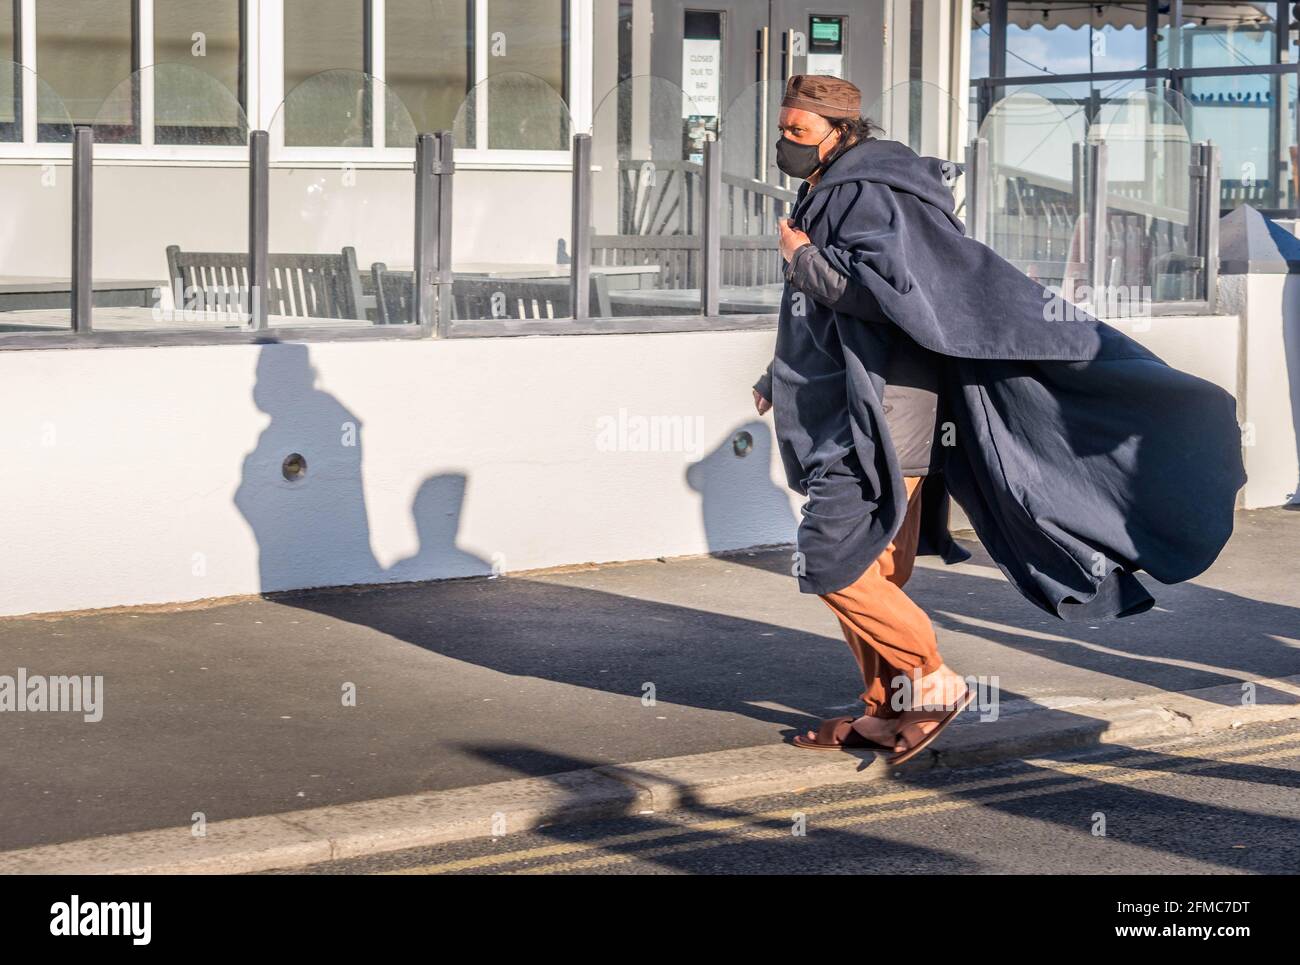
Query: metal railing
[
  {"x": 431, "y": 281},
  {"x": 432, "y": 311}
]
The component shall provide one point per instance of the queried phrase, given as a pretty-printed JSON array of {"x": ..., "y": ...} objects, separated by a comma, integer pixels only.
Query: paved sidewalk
[{"x": 235, "y": 709}]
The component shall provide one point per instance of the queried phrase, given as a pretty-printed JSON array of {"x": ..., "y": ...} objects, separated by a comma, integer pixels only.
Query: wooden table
[{"x": 19, "y": 292}]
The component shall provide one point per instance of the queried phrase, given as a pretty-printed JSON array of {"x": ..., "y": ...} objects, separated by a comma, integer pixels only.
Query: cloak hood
[{"x": 897, "y": 166}]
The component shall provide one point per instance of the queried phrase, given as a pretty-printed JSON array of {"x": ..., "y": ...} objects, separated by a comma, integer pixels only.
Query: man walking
[{"x": 892, "y": 321}]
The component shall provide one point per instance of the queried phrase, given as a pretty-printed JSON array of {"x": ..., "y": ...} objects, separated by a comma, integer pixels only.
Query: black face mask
[{"x": 799, "y": 160}]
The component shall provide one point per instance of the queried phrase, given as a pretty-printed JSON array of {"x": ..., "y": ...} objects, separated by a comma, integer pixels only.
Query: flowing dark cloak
[{"x": 1079, "y": 456}]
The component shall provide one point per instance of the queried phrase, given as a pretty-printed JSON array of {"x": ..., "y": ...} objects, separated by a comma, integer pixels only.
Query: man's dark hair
[{"x": 854, "y": 129}]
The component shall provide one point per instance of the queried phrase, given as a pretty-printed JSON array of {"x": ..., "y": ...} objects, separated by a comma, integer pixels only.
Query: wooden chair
[
  {"x": 524, "y": 298},
  {"x": 394, "y": 293},
  {"x": 474, "y": 297},
  {"x": 303, "y": 285},
  {"x": 746, "y": 259}
]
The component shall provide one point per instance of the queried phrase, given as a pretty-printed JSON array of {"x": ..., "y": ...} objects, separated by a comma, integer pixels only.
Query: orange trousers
[{"x": 888, "y": 633}]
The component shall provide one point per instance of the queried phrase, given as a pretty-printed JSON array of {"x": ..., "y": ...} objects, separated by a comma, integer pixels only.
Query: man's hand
[
  {"x": 760, "y": 403},
  {"x": 791, "y": 238}
]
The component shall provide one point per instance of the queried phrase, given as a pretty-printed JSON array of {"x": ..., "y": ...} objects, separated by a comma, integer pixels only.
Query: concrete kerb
[{"x": 299, "y": 838}]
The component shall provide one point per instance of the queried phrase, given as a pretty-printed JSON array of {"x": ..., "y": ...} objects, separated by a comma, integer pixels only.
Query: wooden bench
[
  {"x": 480, "y": 298},
  {"x": 746, "y": 259},
  {"x": 300, "y": 285}
]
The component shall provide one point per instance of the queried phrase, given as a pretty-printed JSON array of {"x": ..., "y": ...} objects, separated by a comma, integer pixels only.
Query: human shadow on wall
[
  {"x": 311, "y": 530},
  {"x": 740, "y": 505}
]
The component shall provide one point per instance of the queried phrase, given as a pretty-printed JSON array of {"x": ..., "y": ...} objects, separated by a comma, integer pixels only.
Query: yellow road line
[
  {"x": 1048, "y": 771},
  {"x": 1129, "y": 777}
]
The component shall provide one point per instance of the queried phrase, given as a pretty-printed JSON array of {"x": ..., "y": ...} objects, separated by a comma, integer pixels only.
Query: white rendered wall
[
  {"x": 151, "y": 475},
  {"x": 147, "y": 475},
  {"x": 1270, "y": 402}
]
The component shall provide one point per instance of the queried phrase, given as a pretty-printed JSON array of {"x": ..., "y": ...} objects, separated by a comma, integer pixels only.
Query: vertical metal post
[
  {"x": 446, "y": 143},
  {"x": 1079, "y": 164},
  {"x": 711, "y": 240},
  {"x": 977, "y": 189},
  {"x": 425, "y": 292},
  {"x": 1097, "y": 222},
  {"x": 1175, "y": 38},
  {"x": 259, "y": 225},
  {"x": 580, "y": 229},
  {"x": 1078, "y": 191},
  {"x": 83, "y": 216},
  {"x": 1153, "y": 28},
  {"x": 764, "y": 100},
  {"x": 997, "y": 45},
  {"x": 1195, "y": 217},
  {"x": 1210, "y": 228}
]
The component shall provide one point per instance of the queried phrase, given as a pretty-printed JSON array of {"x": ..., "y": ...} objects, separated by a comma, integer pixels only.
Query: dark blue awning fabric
[{"x": 1079, "y": 455}]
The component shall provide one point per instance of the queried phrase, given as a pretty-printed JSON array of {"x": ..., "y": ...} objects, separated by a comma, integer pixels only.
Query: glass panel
[
  {"x": 756, "y": 195},
  {"x": 151, "y": 221},
  {"x": 916, "y": 114},
  {"x": 317, "y": 34},
  {"x": 10, "y": 82},
  {"x": 1117, "y": 47},
  {"x": 645, "y": 248},
  {"x": 429, "y": 58},
  {"x": 84, "y": 49},
  {"x": 1046, "y": 46},
  {"x": 511, "y": 259},
  {"x": 36, "y": 237},
  {"x": 206, "y": 37},
  {"x": 1034, "y": 215},
  {"x": 527, "y": 38},
  {"x": 342, "y": 234},
  {"x": 1252, "y": 120},
  {"x": 1149, "y": 246},
  {"x": 1219, "y": 34},
  {"x": 337, "y": 108},
  {"x": 1057, "y": 37}
]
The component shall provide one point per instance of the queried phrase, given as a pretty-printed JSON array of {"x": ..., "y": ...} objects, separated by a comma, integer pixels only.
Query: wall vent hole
[{"x": 294, "y": 467}]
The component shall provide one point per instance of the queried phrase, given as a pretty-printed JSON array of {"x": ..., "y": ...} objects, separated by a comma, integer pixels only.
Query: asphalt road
[
  {"x": 1221, "y": 804},
  {"x": 234, "y": 709}
]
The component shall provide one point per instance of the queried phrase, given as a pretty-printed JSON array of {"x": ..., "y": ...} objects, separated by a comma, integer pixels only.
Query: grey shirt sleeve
[
  {"x": 764, "y": 384},
  {"x": 810, "y": 272}
]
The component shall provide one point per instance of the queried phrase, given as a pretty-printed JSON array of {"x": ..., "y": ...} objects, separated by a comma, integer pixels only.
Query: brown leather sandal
[
  {"x": 942, "y": 717},
  {"x": 836, "y": 734}
]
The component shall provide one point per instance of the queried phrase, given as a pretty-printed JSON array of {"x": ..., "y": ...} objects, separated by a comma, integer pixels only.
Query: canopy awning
[{"x": 1073, "y": 14}]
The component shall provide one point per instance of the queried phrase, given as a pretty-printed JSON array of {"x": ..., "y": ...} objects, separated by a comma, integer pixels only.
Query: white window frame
[
  {"x": 145, "y": 152},
  {"x": 264, "y": 83},
  {"x": 272, "y": 93}
]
